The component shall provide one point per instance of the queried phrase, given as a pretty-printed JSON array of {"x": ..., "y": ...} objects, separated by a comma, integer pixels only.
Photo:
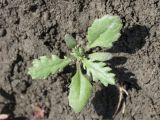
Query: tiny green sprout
[{"x": 102, "y": 33}]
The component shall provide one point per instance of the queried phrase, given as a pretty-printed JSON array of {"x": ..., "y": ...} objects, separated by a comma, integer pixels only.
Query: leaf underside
[
  {"x": 44, "y": 66},
  {"x": 99, "y": 71},
  {"x": 104, "y": 31},
  {"x": 80, "y": 91}
]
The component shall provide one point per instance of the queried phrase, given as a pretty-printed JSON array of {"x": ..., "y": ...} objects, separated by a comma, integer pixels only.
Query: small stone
[
  {"x": 2, "y": 32},
  {"x": 54, "y": 22},
  {"x": 52, "y": 31},
  {"x": 14, "y": 83},
  {"x": 24, "y": 36},
  {"x": 46, "y": 16}
]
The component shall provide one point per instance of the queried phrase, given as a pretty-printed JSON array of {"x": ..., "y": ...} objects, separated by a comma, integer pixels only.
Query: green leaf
[
  {"x": 99, "y": 71},
  {"x": 100, "y": 56},
  {"x": 104, "y": 31},
  {"x": 44, "y": 66},
  {"x": 70, "y": 41},
  {"x": 80, "y": 91}
]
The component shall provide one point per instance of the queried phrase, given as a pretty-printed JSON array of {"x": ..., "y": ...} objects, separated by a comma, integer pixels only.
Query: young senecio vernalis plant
[{"x": 103, "y": 32}]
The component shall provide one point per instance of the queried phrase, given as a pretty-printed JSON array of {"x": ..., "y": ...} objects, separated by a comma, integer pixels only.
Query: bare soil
[{"x": 31, "y": 28}]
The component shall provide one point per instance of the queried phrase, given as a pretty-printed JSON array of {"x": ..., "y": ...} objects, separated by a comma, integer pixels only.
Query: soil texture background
[{"x": 32, "y": 28}]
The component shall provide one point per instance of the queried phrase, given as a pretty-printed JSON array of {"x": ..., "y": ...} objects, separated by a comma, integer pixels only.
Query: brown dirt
[{"x": 31, "y": 28}]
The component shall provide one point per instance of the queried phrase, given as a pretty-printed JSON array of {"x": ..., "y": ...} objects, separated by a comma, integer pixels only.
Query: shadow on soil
[
  {"x": 131, "y": 40},
  {"x": 106, "y": 100},
  {"x": 9, "y": 105}
]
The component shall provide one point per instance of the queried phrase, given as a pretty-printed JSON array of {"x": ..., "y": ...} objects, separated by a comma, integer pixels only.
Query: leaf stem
[{"x": 78, "y": 65}]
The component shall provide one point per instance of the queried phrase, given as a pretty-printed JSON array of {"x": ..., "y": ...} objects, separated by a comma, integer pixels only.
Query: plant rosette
[{"x": 102, "y": 33}]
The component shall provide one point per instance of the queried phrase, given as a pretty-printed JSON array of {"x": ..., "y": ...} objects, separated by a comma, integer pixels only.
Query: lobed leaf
[
  {"x": 80, "y": 91},
  {"x": 98, "y": 71},
  {"x": 100, "y": 56},
  {"x": 44, "y": 66},
  {"x": 104, "y": 31}
]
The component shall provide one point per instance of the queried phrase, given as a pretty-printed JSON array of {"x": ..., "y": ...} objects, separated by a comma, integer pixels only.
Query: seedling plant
[{"x": 102, "y": 33}]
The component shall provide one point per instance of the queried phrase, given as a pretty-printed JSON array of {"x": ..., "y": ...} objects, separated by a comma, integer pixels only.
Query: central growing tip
[{"x": 78, "y": 53}]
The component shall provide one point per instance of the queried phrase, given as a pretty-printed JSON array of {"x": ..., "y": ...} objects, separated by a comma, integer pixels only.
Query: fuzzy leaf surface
[
  {"x": 104, "y": 31},
  {"x": 100, "y": 56},
  {"x": 80, "y": 91},
  {"x": 70, "y": 41},
  {"x": 99, "y": 71},
  {"x": 44, "y": 66}
]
